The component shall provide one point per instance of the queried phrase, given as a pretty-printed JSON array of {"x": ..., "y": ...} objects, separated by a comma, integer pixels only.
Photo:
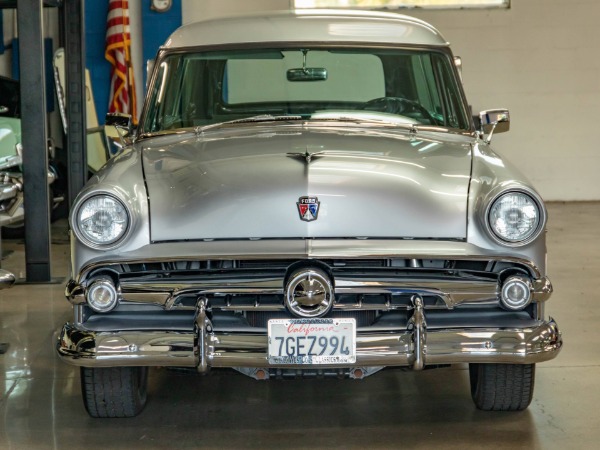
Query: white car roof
[{"x": 322, "y": 26}]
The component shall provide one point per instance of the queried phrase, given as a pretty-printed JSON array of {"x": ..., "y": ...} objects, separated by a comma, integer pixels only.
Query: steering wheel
[{"x": 397, "y": 105}]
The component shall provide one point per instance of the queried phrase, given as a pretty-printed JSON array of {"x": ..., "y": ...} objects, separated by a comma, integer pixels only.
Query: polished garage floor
[{"x": 41, "y": 406}]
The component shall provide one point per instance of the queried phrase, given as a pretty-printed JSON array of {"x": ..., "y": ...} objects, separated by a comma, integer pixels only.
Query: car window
[
  {"x": 197, "y": 89},
  {"x": 350, "y": 77}
]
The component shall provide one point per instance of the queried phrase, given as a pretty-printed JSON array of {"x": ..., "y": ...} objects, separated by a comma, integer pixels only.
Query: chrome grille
[
  {"x": 478, "y": 265},
  {"x": 359, "y": 284}
]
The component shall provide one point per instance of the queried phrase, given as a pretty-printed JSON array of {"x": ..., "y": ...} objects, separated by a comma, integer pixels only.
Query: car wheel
[
  {"x": 502, "y": 387},
  {"x": 114, "y": 391}
]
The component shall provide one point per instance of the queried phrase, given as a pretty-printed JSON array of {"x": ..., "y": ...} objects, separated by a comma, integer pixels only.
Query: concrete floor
[{"x": 41, "y": 405}]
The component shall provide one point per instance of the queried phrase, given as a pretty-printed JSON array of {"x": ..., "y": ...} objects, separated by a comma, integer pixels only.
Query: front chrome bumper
[{"x": 414, "y": 347}]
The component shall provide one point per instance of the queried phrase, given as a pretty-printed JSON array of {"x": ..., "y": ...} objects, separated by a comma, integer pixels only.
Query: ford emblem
[{"x": 308, "y": 208}]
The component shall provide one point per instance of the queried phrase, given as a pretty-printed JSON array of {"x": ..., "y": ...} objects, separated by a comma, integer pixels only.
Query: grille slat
[
  {"x": 259, "y": 319},
  {"x": 342, "y": 265}
]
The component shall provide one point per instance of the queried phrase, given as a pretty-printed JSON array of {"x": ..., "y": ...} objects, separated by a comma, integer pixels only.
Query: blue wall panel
[
  {"x": 95, "y": 36},
  {"x": 156, "y": 28}
]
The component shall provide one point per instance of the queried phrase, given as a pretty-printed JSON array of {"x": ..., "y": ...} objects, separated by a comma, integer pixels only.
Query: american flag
[{"x": 118, "y": 53}]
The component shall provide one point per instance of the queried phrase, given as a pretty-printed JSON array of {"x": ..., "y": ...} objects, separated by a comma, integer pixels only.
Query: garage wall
[
  {"x": 540, "y": 59},
  {"x": 194, "y": 10}
]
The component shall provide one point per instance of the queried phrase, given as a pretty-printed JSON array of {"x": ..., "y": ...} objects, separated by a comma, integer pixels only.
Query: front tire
[
  {"x": 114, "y": 391},
  {"x": 502, "y": 387}
]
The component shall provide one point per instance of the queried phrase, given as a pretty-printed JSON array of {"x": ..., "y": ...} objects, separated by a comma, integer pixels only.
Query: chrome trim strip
[
  {"x": 452, "y": 292},
  {"x": 449, "y": 346},
  {"x": 299, "y": 249}
]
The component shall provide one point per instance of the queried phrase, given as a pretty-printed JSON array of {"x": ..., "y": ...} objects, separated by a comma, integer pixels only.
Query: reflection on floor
[{"x": 40, "y": 403}]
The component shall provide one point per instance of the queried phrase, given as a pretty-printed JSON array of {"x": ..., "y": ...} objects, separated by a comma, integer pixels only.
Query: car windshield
[{"x": 310, "y": 83}]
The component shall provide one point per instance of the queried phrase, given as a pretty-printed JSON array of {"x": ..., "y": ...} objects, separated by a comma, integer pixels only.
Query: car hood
[{"x": 246, "y": 184}]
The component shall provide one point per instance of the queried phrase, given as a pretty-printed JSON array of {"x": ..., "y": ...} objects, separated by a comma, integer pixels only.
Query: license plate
[{"x": 312, "y": 341}]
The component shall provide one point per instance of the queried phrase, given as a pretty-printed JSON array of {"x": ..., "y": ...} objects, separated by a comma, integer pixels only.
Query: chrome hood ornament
[{"x": 308, "y": 157}]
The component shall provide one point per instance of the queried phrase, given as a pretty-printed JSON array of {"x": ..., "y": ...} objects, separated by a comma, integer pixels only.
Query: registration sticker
[{"x": 312, "y": 341}]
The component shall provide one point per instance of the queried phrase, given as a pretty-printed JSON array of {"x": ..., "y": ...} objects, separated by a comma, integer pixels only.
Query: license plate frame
[{"x": 300, "y": 341}]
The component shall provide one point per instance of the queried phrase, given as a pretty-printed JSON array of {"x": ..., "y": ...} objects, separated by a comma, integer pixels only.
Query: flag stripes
[{"x": 118, "y": 53}]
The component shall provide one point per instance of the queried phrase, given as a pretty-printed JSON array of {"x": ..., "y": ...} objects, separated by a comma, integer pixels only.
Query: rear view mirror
[{"x": 307, "y": 74}]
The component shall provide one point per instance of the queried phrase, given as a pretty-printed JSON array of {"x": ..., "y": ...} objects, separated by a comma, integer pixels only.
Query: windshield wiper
[
  {"x": 359, "y": 118},
  {"x": 413, "y": 127},
  {"x": 260, "y": 118}
]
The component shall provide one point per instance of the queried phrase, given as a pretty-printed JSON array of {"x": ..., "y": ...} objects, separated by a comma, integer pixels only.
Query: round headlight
[
  {"x": 102, "y": 295},
  {"x": 516, "y": 293},
  {"x": 514, "y": 217},
  {"x": 102, "y": 220}
]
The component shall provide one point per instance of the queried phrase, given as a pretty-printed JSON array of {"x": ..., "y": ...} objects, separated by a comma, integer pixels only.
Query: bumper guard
[{"x": 413, "y": 347}]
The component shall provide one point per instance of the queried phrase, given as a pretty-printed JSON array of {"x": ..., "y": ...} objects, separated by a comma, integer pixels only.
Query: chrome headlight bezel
[
  {"x": 541, "y": 222},
  {"x": 84, "y": 238}
]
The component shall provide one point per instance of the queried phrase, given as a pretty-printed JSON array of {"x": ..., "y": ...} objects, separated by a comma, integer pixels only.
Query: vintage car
[
  {"x": 11, "y": 183},
  {"x": 11, "y": 153},
  {"x": 307, "y": 195}
]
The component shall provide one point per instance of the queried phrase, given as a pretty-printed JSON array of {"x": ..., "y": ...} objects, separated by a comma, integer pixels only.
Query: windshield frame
[{"x": 445, "y": 51}]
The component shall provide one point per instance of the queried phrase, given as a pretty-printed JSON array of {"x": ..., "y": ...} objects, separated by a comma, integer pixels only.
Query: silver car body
[{"x": 215, "y": 233}]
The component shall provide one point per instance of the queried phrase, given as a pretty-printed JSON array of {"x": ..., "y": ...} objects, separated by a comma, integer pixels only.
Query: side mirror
[
  {"x": 119, "y": 120},
  {"x": 123, "y": 125},
  {"x": 494, "y": 121}
]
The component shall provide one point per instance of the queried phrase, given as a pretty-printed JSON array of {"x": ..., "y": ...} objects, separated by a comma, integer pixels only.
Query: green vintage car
[
  {"x": 11, "y": 174},
  {"x": 11, "y": 177}
]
